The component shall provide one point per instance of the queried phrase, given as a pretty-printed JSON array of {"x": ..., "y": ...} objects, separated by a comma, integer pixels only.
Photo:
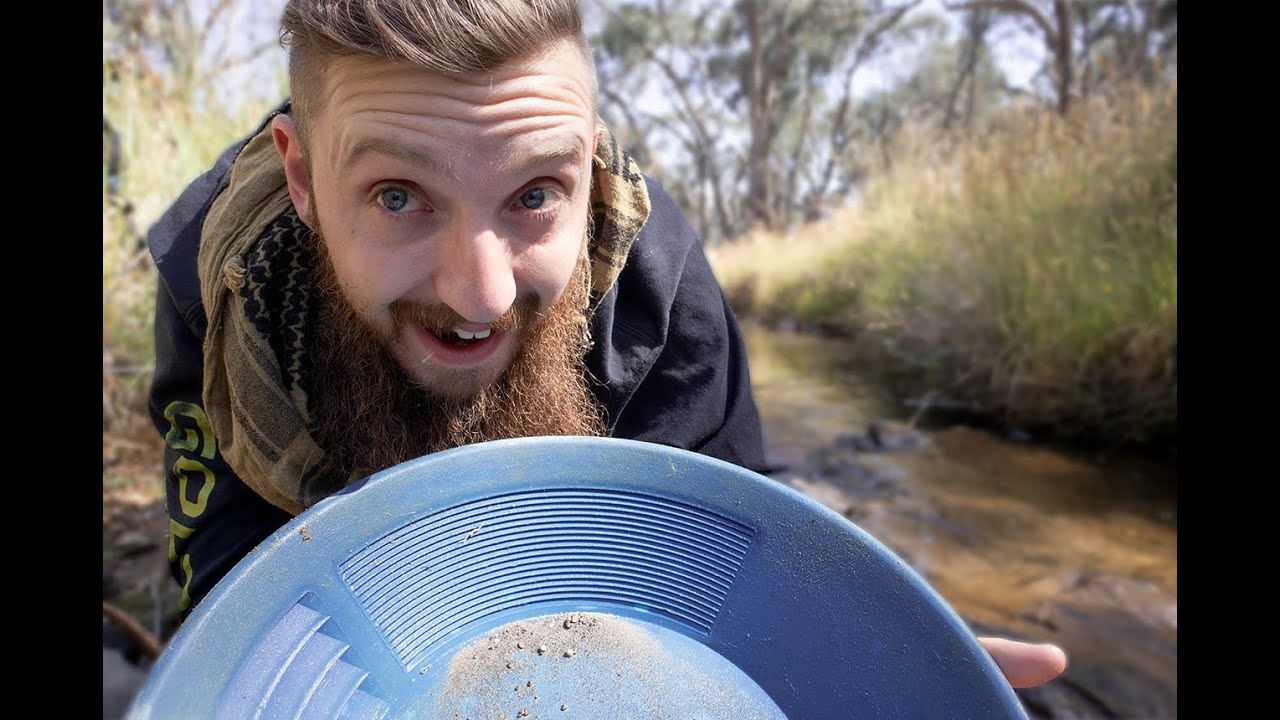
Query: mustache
[{"x": 439, "y": 318}]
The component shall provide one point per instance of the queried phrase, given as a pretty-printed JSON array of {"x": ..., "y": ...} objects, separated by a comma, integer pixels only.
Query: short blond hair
[{"x": 446, "y": 36}]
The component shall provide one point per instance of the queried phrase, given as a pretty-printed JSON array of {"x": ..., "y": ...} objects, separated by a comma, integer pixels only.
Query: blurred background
[{"x": 949, "y": 228}]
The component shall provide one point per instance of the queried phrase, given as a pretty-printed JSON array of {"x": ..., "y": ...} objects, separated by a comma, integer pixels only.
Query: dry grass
[{"x": 1029, "y": 272}]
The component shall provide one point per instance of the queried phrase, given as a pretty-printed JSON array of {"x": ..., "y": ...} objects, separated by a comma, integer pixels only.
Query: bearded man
[{"x": 434, "y": 243}]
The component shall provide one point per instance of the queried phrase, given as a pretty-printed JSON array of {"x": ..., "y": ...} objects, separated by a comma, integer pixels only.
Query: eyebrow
[
  {"x": 380, "y": 146},
  {"x": 559, "y": 150}
]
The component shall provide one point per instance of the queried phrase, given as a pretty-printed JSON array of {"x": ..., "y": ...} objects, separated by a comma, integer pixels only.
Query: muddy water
[{"x": 1021, "y": 539}]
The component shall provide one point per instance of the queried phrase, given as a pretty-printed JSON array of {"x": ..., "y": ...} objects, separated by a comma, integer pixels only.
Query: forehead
[{"x": 490, "y": 116}]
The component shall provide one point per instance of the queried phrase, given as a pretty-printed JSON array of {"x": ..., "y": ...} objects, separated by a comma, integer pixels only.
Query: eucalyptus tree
[
  {"x": 1094, "y": 45},
  {"x": 748, "y": 106}
]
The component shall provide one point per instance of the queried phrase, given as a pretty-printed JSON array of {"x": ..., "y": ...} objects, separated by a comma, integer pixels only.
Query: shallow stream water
[{"x": 1021, "y": 539}]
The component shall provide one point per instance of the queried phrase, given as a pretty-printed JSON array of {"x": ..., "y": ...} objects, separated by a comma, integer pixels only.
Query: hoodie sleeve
[
  {"x": 697, "y": 395},
  {"x": 670, "y": 349}
]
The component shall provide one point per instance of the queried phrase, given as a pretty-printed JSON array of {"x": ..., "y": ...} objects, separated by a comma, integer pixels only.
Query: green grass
[
  {"x": 167, "y": 131},
  {"x": 1029, "y": 272}
]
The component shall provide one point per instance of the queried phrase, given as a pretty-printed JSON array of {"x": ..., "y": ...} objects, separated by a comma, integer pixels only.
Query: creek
[{"x": 1021, "y": 538}]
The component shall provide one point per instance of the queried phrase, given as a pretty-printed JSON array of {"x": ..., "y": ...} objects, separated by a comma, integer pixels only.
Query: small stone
[
  {"x": 564, "y": 706},
  {"x": 520, "y": 645},
  {"x": 523, "y": 713},
  {"x": 570, "y": 652},
  {"x": 542, "y": 649},
  {"x": 510, "y": 665}
]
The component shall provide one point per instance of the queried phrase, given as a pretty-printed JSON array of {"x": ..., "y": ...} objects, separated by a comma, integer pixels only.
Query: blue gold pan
[{"x": 573, "y": 578}]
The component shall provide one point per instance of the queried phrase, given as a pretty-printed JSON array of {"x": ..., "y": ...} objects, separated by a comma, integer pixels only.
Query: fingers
[{"x": 1025, "y": 664}]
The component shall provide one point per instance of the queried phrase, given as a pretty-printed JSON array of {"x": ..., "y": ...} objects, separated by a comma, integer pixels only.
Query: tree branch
[
  {"x": 1014, "y": 6},
  {"x": 228, "y": 63}
]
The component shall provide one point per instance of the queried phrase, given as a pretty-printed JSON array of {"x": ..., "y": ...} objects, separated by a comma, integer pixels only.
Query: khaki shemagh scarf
[{"x": 255, "y": 297}]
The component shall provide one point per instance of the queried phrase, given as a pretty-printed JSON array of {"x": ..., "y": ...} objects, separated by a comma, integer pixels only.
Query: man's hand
[{"x": 1025, "y": 664}]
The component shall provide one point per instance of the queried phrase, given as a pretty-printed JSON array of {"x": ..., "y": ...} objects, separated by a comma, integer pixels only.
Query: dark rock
[
  {"x": 883, "y": 436},
  {"x": 890, "y": 436}
]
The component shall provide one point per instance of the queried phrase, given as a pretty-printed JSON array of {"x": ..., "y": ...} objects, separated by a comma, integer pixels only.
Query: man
[{"x": 435, "y": 243}]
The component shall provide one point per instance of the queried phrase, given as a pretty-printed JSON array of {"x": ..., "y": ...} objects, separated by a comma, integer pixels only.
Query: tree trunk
[
  {"x": 759, "y": 201},
  {"x": 1061, "y": 47}
]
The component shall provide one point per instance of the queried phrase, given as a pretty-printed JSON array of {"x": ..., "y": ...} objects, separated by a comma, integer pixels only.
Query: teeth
[{"x": 465, "y": 335}]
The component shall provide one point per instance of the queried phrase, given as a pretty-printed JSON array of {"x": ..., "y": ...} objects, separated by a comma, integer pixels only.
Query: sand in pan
[{"x": 595, "y": 665}]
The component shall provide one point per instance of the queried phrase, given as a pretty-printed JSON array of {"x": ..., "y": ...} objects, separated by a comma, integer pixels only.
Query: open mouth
[
  {"x": 459, "y": 347},
  {"x": 459, "y": 338}
]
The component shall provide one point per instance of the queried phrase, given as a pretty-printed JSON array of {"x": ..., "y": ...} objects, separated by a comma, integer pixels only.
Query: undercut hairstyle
[{"x": 445, "y": 36}]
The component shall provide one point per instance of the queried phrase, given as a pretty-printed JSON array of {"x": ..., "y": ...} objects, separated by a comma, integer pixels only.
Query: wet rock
[
  {"x": 1121, "y": 639},
  {"x": 890, "y": 436},
  {"x": 845, "y": 467},
  {"x": 1138, "y": 598},
  {"x": 855, "y": 442},
  {"x": 1119, "y": 666},
  {"x": 883, "y": 436}
]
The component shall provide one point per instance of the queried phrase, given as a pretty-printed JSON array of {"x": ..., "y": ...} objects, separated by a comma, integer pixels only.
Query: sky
[{"x": 1019, "y": 53}]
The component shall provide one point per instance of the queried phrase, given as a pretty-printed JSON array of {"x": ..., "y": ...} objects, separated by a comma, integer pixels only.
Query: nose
[{"x": 475, "y": 276}]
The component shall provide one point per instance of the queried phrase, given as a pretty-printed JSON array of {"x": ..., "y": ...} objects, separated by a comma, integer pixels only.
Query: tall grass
[
  {"x": 1029, "y": 273},
  {"x": 164, "y": 123}
]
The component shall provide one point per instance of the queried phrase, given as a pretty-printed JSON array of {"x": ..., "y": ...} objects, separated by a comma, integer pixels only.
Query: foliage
[
  {"x": 765, "y": 114},
  {"x": 1028, "y": 272},
  {"x": 164, "y": 121}
]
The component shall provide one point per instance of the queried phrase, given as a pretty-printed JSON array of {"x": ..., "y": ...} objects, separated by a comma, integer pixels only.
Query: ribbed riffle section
[{"x": 598, "y": 546}]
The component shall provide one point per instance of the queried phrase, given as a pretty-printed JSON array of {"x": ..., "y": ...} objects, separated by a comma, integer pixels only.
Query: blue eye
[
  {"x": 394, "y": 199},
  {"x": 533, "y": 198}
]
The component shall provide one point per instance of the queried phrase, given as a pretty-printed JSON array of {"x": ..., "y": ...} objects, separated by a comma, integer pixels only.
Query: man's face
[{"x": 448, "y": 203}]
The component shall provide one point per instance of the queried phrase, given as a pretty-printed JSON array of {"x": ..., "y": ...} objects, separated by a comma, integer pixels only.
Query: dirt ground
[
  {"x": 139, "y": 598},
  {"x": 135, "y": 575}
]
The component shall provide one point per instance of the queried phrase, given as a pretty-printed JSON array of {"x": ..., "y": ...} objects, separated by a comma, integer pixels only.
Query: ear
[{"x": 289, "y": 145}]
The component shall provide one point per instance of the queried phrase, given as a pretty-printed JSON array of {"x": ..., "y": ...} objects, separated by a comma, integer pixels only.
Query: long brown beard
[{"x": 369, "y": 415}]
